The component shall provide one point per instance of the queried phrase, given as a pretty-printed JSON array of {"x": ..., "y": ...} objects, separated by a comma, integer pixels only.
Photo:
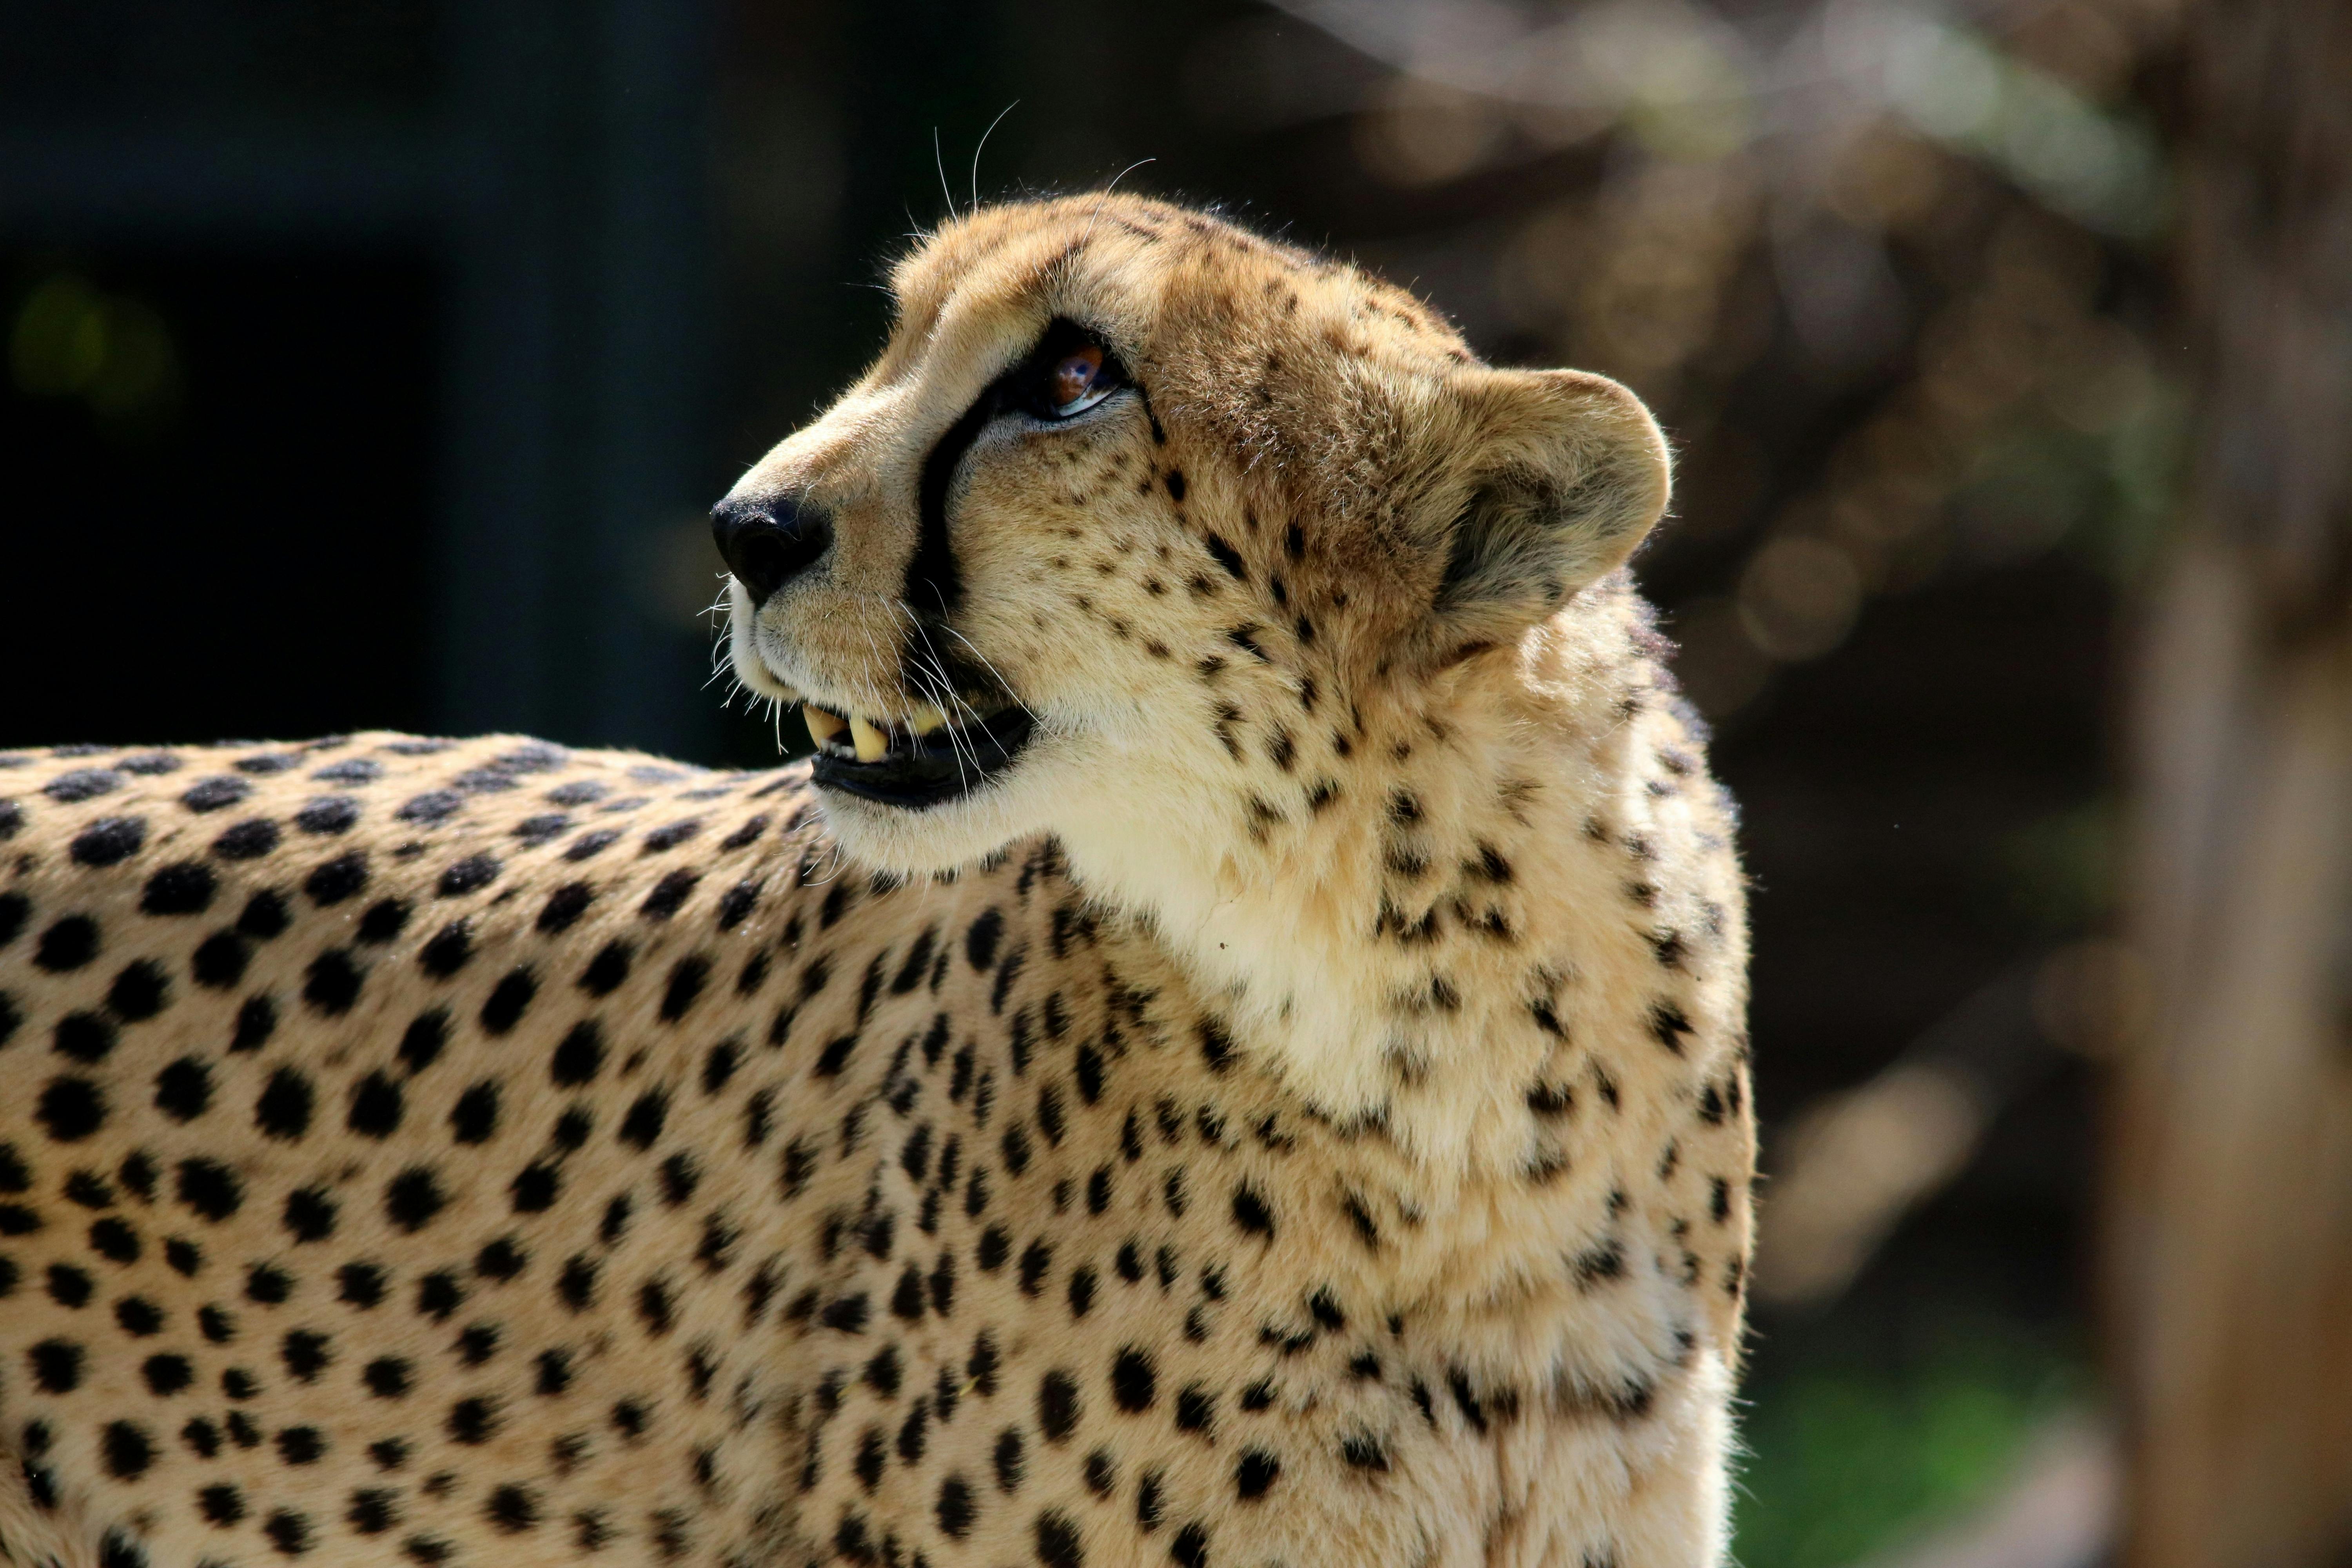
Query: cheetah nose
[{"x": 768, "y": 542}]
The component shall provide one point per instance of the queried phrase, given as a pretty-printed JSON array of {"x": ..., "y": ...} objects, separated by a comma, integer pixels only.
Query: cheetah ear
[{"x": 1556, "y": 476}]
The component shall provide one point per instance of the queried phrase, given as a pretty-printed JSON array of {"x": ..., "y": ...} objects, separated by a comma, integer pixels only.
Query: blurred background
[{"x": 372, "y": 362}]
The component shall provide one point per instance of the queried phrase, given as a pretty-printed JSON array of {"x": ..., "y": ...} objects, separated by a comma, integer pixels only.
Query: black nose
[{"x": 768, "y": 542}]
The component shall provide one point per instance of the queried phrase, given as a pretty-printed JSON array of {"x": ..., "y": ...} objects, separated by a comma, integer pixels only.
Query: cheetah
[{"x": 1232, "y": 1051}]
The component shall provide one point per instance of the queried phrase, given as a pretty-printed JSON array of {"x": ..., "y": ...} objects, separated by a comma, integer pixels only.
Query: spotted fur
[{"x": 1298, "y": 1114}]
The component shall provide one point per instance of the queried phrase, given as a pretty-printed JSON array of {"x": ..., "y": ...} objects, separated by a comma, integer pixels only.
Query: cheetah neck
[{"x": 1386, "y": 962}]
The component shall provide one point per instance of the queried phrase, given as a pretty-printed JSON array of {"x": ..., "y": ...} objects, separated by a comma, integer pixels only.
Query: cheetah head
[{"x": 1134, "y": 520}]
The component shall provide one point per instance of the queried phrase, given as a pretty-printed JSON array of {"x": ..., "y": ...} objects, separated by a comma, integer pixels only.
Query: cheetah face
[{"x": 1134, "y": 514}]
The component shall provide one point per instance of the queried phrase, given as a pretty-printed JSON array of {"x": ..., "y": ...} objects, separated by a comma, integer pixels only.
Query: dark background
[{"x": 372, "y": 362}]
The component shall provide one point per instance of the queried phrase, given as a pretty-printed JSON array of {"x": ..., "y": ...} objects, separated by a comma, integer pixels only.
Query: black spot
[
  {"x": 735, "y": 904},
  {"x": 655, "y": 1308},
  {"x": 265, "y": 916},
  {"x": 56, "y": 1365},
  {"x": 309, "y": 1215},
  {"x": 221, "y": 1504},
  {"x": 680, "y": 1175},
  {"x": 67, "y": 944},
  {"x": 1036, "y": 1260},
  {"x": 301, "y": 1444},
  {"x": 167, "y": 1375},
  {"x": 507, "y": 1001},
  {"x": 256, "y": 1020},
  {"x": 109, "y": 841},
  {"x": 1057, "y": 1405},
  {"x": 473, "y": 1421},
  {"x": 219, "y": 960},
  {"x": 957, "y": 1508},
  {"x": 1191, "y": 1547},
  {"x": 288, "y": 1532},
  {"x": 1134, "y": 1381},
  {"x": 376, "y": 1106},
  {"x": 359, "y": 1284},
  {"x": 412, "y": 1198},
  {"x": 501, "y": 1259},
  {"x": 608, "y": 969},
  {"x": 84, "y": 1037},
  {"x": 534, "y": 1188},
  {"x": 139, "y": 993},
  {"x": 1012, "y": 1461},
  {"x": 183, "y": 888},
  {"x": 1227, "y": 556},
  {"x": 306, "y": 1355},
  {"x": 344, "y": 877},
  {"x": 512, "y": 1509},
  {"x": 1251, "y": 1213},
  {"x": 331, "y": 983},
  {"x": 213, "y": 793},
  {"x": 589, "y": 844},
  {"x": 128, "y": 1450},
  {"x": 68, "y": 1287},
  {"x": 1057, "y": 1535},
  {"x": 70, "y": 1109},
  {"x": 471, "y": 875},
  {"x": 835, "y": 1057},
  {"x": 373, "y": 1510},
  {"x": 685, "y": 982},
  {"x": 420, "y": 1045},
  {"x": 328, "y": 814},
  {"x": 115, "y": 1241},
  {"x": 283, "y": 1109},
  {"x": 579, "y": 1057},
  {"x": 247, "y": 840},
  {"x": 476, "y": 1115},
  {"x": 446, "y": 953},
  {"x": 668, "y": 894},
  {"x": 268, "y": 1284},
  {"x": 576, "y": 1286},
  {"x": 643, "y": 1125},
  {"x": 1196, "y": 1409},
  {"x": 433, "y": 805},
  {"x": 565, "y": 906}
]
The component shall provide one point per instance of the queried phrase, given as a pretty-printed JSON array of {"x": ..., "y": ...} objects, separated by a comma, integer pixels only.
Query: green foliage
[{"x": 1844, "y": 1460}]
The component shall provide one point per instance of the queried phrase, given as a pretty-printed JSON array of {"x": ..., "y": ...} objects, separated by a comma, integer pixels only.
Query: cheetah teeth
[{"x": 870, "y": 739}]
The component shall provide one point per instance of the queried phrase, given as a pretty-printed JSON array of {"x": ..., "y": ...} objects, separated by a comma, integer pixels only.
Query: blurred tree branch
[{"x": 2229, "y": 1267}]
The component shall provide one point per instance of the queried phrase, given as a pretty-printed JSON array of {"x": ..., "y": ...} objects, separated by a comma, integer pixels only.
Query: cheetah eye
[
  {"x": 1077, "y": 382},
  {"x": 1068, "y": 372}
]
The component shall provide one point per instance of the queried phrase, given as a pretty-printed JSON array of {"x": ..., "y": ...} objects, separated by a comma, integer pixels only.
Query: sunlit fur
[
  {"x": 1251, "y": 808},
  {"x": 1296, "y": 1112}
]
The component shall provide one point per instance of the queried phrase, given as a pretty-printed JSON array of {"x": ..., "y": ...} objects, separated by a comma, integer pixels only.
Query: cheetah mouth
[{"x": 923, "y": 760}]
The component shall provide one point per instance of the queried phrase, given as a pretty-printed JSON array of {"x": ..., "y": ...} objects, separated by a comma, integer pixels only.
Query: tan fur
[{"x": 1339, "y": 1007}]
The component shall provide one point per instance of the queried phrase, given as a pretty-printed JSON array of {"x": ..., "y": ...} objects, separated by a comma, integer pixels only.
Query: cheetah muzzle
[
  {"x": 919, "y": 762},
  {"x": 1232, "y": 1053}
]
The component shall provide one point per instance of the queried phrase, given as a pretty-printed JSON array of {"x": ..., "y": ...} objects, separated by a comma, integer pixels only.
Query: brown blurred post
[{"x": 2228, "y": 1265}]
